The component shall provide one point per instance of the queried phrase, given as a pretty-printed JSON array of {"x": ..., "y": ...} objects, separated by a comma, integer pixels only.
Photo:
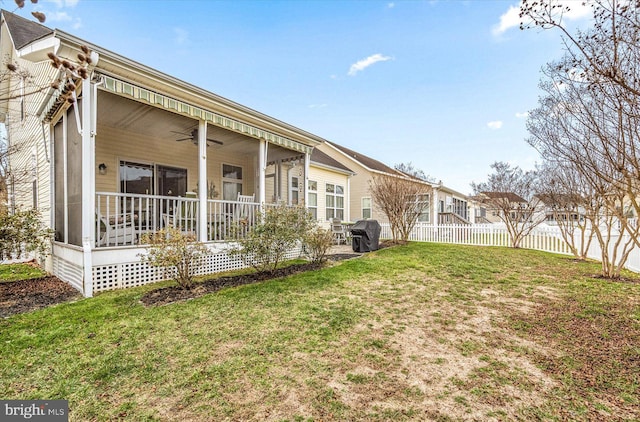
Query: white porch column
[
  {"x": 262, "y": 168},
  {"x": 347, "y": 201},
  {"x": 203, "y": 214},
  {"x": 305, "y": 183},
  {"x": 435, "y": 206},
  {"x": 88, "y": 184}
]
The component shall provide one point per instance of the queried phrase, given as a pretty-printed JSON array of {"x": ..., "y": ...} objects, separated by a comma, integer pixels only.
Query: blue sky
[{"x": 442, "y": 84}]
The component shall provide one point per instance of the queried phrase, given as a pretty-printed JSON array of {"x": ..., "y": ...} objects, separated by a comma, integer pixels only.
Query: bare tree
[
  {"x": 593, "y": 128},
  {"x": 398, "y": 198},
  {"x": 607, "y": 51},
  {"x": 510, "y": 193},
  {"x": 409, "y": 169},
  {"x": 571, "y": 202}
]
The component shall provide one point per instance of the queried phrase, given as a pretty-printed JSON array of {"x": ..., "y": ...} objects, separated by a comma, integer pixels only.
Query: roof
[
  {"x": 560, "y": 198},
  {"x": 323, "y": 159},
  {"x": 364, "y": 160},
  {"x": 510, "y": 196},
  {"x": 23, "y": 31}
]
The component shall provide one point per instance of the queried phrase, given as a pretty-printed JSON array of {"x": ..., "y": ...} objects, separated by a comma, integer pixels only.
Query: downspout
[{"x": 44, "y": 143}]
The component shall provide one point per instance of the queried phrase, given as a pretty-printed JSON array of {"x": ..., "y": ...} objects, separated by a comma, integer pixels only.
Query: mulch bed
[
  {"x": 173, "y": 294},
  {"x": 17, "y": 297}
]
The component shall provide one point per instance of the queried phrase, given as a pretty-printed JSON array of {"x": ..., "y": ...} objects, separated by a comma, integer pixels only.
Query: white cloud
[
  {"x": 317, "y": 105},
  {"x": 522, "y": 115},
  {"x": 181, "y": 36},
  {"x": 391, "y": 5},
  {"x": 64, "y": 3},
  {"x": 364, "y": 63},
  {"x": 495, "y": 125},
  {"x": 511, "y": 18},
  {"x": 58, "y": 16}
]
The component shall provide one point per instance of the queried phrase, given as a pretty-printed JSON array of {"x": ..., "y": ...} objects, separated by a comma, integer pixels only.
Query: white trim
[
  {"x": 202, "y": 179},
  {"x": 228, "y": 180},
  {"x": 262, "y": 168}
]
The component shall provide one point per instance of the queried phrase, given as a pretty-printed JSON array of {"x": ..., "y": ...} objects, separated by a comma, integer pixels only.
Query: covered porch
[{"x": 150, "y": 161}]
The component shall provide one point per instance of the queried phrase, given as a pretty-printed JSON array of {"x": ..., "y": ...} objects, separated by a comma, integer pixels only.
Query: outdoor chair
[
  {"x": 116, "y": 230},
  {"x": 339, "y": 234}
]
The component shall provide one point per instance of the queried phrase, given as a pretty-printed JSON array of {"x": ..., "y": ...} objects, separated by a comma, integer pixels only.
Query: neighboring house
[
  {"x": 556, "y": 207},
  {"x": 477, "y": 210},
  {"x": 452, "y": 206},
  {"x": 140, "y": 150},
  {"x": 441, "y": 205},
  {"x": 497, "y": 203},
  {"x": 359, "y": 204}
]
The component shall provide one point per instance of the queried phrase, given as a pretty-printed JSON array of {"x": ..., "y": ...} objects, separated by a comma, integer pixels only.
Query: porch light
[{"x": 102, "y": 168}]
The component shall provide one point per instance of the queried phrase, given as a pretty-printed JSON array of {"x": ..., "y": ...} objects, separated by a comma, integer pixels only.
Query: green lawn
[
  {"x": 418, "y": 332},
  {"x": 15, "y": 272}
]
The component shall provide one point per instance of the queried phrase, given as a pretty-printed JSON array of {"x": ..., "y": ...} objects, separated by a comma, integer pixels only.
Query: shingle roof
[
  {"x": 320, "y": 157},
  {"x": 24, "y": 31},
  {"x": 364, "y": 160},
  {"x": 512, "y": 197}
]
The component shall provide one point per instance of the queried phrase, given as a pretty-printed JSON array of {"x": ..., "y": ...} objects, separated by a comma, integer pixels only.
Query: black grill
[{"x": 365, "y": 235}]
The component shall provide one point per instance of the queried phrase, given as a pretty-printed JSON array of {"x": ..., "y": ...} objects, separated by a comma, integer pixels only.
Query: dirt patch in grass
[
  {"x": 597, "y": 355},
  {"x": 28, "y": 295}
]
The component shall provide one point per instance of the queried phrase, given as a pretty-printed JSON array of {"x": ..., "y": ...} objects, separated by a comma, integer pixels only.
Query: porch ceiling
[{"x": 133, "y": 116}]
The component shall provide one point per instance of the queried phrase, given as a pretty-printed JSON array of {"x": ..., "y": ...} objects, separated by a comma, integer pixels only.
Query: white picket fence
[{"x": 542, "y": 238}]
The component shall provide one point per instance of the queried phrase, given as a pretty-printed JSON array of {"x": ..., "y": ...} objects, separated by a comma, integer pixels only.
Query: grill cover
[{"x": 365, "y": 236}]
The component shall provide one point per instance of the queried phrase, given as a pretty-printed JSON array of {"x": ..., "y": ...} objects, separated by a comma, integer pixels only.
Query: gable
[{"x": 24, "y": 31}]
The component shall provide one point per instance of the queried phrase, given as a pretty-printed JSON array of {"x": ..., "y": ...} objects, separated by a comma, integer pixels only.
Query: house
[
  {"x": 452, "y": 206},
  {"x": 560, "y": 208},
  {"x": 440, "y": 204},
  {"x": 328, "y": 186},
  {"x": 497, "y": 203},
  {"x": 359, "y": 204},
  {"x": 117, "y": 149}
]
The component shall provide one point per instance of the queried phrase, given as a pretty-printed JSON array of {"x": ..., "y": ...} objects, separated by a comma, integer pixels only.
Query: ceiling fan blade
[
  {"x": 184, "y": 139},
  {"x": 215, "y": 141}
]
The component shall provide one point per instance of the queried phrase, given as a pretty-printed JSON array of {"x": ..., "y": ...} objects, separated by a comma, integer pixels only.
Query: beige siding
[
  {"x": 359, "y": 185},
  {"x": 30, "y": 141},
  {"x": 323, "y": 176},
  {"x": 113, "y": 145}
]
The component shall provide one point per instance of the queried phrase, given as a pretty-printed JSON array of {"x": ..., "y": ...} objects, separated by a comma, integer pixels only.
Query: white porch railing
[{"x": 122, "y": 219}]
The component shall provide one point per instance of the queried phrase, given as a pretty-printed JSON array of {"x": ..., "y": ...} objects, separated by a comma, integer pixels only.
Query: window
[
  {"x": 334, "y": 201},
  {"x": 366, "y": 207},
  {"x": 294, "y": 190},
  {"x": 231, "y": 182},
  {"x": 422, "y": 206},
  {"x": 172, "y": 181},
  {"x": 460, "y": 207},
  {"x": 136, "y": 178},
  {"x": 312, "y": 206},
  {"x": 140, "y": 178}
]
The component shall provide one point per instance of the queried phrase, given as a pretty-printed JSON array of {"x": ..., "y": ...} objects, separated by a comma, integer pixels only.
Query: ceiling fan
[{"x": 193, "y": 137}]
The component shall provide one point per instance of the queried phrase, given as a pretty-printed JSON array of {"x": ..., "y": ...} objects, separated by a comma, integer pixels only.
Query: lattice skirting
[
  {"x": 132, "y": 274},
  {"x": 68, "y": 272}
]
